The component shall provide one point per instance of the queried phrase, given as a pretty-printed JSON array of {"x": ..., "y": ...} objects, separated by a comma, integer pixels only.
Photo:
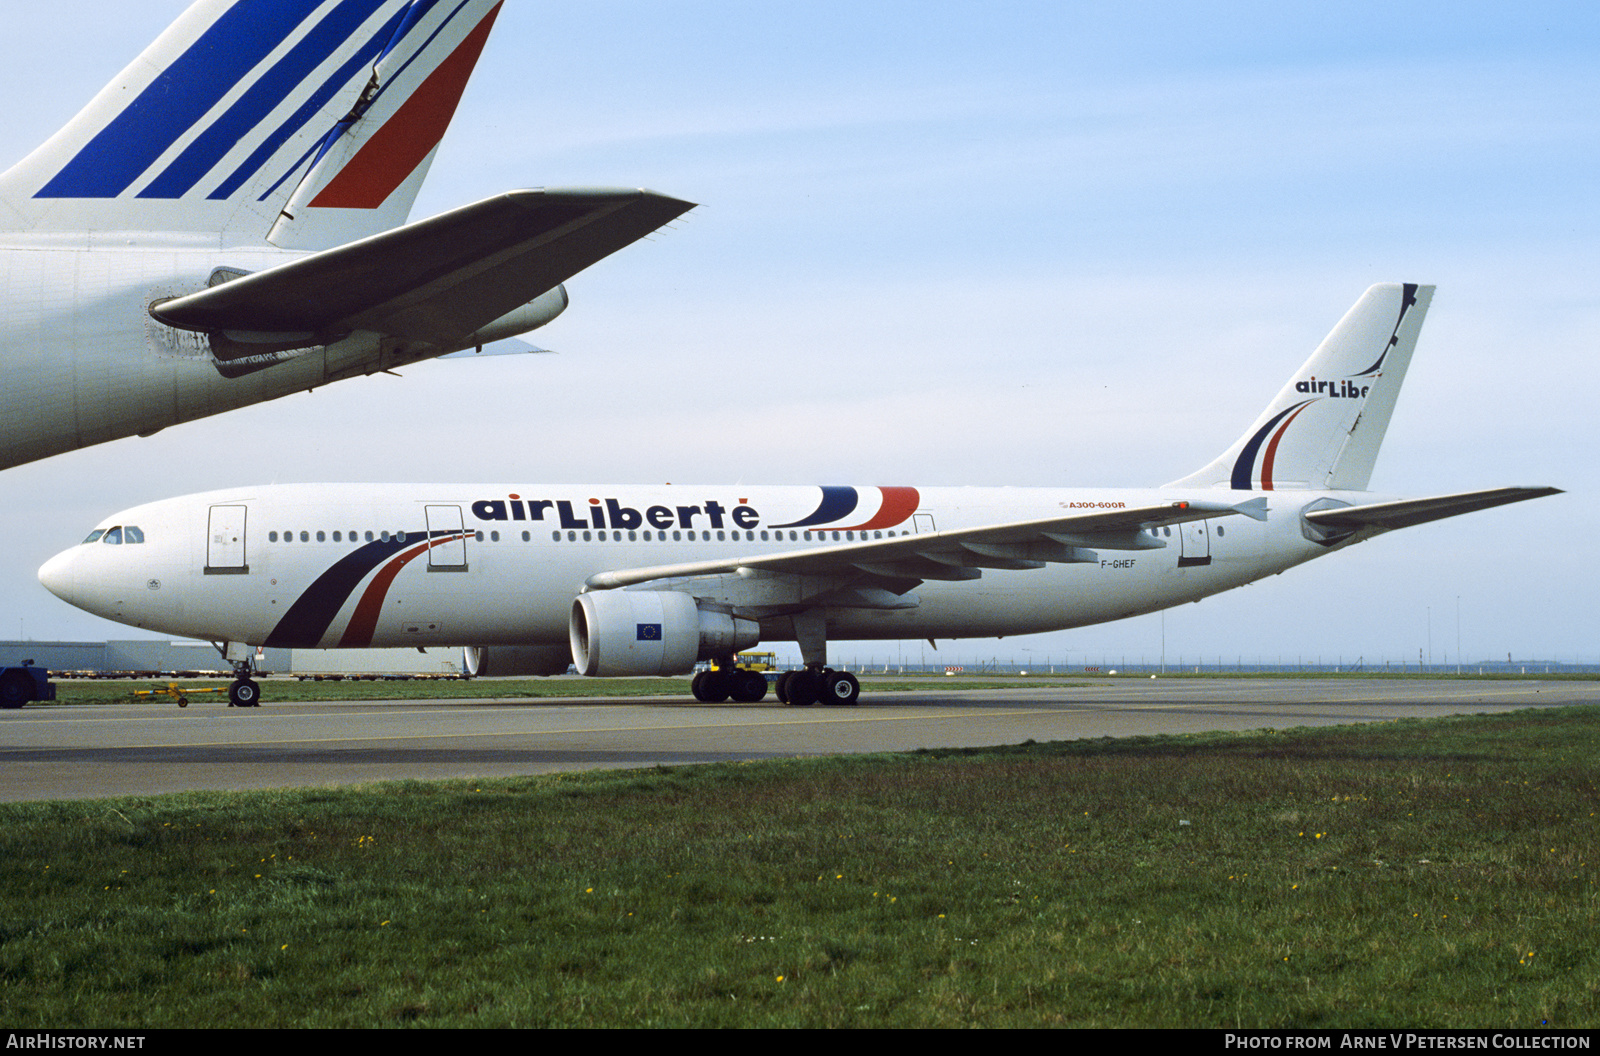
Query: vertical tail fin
[
  {"x": 1324, "y": 428},
  {"x": 244, "y": 105}
]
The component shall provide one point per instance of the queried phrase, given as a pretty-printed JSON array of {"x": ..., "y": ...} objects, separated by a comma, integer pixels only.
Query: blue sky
[{"x": 951, "y": 243}]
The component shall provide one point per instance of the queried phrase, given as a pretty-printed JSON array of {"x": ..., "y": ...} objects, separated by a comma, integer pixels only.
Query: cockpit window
[{"x": 118, "y": 535}]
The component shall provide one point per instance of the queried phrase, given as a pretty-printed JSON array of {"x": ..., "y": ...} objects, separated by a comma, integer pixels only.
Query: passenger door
[
  {"x": 225, "y": 542},
  {"x": 450, "y": 556}
]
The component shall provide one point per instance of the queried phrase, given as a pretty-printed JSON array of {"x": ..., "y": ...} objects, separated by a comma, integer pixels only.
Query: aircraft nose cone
[{"x": 56, "y": 575}]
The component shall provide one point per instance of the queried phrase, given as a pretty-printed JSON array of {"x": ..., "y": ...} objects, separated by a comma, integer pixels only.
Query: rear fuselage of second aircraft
[
  {"x": 85, "y": 363},
  {"x": 359, "y": 565}
]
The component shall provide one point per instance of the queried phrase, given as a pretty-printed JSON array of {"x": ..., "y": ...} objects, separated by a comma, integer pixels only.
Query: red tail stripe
[
  {"x": 394, "y": 151},
  {"x": 1272, "y": 448}
]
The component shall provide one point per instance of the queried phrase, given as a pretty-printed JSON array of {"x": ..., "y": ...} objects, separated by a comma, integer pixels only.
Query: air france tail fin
[
  {"x": 1324, "y": 428},
  {"x": 306, "y": 122}
]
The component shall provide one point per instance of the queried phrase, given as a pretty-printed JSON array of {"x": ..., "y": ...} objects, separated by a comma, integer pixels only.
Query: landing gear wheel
[
  {"x": 749, "y": 686},
  {"x": 244, "y": 694},
  {"x": 839, "y": 688},
  {"x": 781, "y": 689},
  {"x": 710, "y": 687},
  {"x": 804, "y": 688}
]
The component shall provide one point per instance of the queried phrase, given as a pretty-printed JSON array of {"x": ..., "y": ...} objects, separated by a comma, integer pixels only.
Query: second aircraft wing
[{"x": 438, "y": 280}]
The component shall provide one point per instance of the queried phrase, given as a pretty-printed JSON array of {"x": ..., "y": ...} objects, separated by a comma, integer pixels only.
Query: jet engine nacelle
[
  {"x": 651, "y": 632},
  {"x": 530, "y": 316},
  {"x": 482, "y": 661}
]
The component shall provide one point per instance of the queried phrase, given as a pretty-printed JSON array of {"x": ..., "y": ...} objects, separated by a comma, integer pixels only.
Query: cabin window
[
  {"x": 1219, "y": 529},
  {"x": 322, "y": 537}
]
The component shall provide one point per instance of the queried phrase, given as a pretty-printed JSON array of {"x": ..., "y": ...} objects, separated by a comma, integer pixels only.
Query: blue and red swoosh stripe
[
  {"x": 898, "y": 503},
  {"x": 1242, "y": 480},
  {"x": 308, "y": 619}
]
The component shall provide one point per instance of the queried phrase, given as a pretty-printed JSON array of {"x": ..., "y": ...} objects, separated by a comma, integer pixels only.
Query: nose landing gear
[{"x": 243, "y": 692}]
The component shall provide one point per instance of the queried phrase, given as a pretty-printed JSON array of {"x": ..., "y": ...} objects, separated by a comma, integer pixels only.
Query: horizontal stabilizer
[
  {"x": 1407, "y": 512},
  {"x": 438, "y": 280}
]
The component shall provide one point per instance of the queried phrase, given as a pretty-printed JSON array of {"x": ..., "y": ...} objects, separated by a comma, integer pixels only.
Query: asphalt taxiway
[{"x": 62, "y": 752}]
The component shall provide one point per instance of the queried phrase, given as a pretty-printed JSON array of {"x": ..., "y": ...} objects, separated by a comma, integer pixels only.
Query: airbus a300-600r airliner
[
  {"x": 648, "y": 580},
  {"x": 225, "y": 223}
]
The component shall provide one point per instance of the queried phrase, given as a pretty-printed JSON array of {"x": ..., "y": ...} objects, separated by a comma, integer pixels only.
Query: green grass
[{"x": 1431, "y": 873}]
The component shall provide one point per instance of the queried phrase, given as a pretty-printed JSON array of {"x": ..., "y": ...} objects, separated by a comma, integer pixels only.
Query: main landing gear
[
  {"x": 821, "y": 685},
  {"x": 800, "y": 688},
  {"x": 816, "y": 683},
  {"x": 724, "y": 680}
]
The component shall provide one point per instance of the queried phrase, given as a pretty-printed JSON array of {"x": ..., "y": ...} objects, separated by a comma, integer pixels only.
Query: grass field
[{"x": 1414, "y": 874}]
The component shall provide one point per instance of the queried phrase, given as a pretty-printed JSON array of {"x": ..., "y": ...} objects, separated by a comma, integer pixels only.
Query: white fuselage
[
  {"x": 84, "y": 362},
  {"x": 325, "y": 565}
]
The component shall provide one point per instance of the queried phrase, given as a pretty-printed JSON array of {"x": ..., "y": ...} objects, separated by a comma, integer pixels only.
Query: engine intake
[{"x": 651, "y": 632}]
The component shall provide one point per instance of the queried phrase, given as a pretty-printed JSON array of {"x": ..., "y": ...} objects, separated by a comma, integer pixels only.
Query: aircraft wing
[
  {"x": 438, "y": 280},
  {"x": 957, "y": 554},
  {"x": 1407, "y": 512}
]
